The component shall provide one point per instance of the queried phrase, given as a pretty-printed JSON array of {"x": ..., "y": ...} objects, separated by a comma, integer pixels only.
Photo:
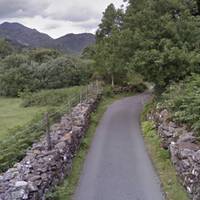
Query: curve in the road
[{"x": 117, "y": 166}]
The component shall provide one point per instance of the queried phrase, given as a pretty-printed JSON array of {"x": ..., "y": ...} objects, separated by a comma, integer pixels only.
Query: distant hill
[
  {"x": 23, "y": 36},
  {"x": 75, "y": 42}
]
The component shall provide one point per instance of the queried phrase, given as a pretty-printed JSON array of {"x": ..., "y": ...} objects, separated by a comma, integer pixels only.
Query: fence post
[
  {"x": 86, "y": 93},
  {"x": 93, "y": 87},
  {"x": 97, "y": 84},
  {"x": 48, "y": 136},
  {"x": 89, "y": 89},
  {"x": 70, "y": 112},
  {"x": 81, "y": 97}
]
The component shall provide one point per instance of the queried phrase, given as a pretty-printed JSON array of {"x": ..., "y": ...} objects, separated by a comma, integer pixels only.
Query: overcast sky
[{"x": 56, "y": 17}]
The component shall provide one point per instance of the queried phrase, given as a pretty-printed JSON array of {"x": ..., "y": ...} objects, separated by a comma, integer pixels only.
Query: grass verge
[
  {"x": 161, "y": 160},
  {"x": 67, "y": 189}
]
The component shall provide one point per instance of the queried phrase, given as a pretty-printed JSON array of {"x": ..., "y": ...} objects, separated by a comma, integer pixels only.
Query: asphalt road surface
[{"x": 117, "y": 166}]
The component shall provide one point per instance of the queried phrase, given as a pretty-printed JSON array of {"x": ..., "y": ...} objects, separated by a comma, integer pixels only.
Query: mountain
[
  {"x": 31, "y": 38},
  {"x": 21, "y": 34},
  {"x": 75, "y": 42}
]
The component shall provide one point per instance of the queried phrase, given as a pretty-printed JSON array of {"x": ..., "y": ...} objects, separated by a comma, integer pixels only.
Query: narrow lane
[{"x": 117, "y": 166}]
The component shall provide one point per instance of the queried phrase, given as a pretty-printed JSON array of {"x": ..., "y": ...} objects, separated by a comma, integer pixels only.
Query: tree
[
  {"x": 108, "y": 59},
  {"x": 5, "y": 48},
  {"x": 89, "y": 52},
  {"x": 107, "y": 56},
  {"x": 42, "y": 55},
  {"x": 112, "y": 19}
]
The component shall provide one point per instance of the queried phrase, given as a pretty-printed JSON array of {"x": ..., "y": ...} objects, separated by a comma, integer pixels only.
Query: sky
[{"x": 56, "y": 17}]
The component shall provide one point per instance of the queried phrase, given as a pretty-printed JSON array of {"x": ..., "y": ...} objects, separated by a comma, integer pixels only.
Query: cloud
[
  {"x": 78, "y": 10},
  {"x": 56, "y": 17},
  {"x": 22, "y": 8}
]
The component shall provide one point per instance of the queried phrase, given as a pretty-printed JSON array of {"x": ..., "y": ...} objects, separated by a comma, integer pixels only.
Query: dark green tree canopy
[
  {"x": 5, "y": 48},
  {"x": 159, "y": 39}
]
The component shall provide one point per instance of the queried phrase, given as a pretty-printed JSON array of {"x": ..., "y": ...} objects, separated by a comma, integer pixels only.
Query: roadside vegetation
[
  {"x": 21, "y": 126},
  {"x": 161, "y": 161},
  {"x": 183, "y": 101}
]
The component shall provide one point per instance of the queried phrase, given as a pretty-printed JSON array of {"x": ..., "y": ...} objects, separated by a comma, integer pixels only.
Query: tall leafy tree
[
  {"x": 107, "y": 23},
  {"x": 5, "y": 48},
  {"x": 108, "y": 45}
]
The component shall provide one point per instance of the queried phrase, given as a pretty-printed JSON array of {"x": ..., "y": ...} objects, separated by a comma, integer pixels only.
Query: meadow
[
  {"x": 22, "y": 119},
  {"x": 13, "y": 114}
]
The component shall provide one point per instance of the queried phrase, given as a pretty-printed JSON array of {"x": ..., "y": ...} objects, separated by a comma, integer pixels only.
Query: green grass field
[
  {"x": 21, "y": 120},
  {"x": 12, "y": 114}
]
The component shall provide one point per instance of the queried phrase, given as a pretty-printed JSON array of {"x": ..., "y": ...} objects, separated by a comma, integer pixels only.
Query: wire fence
[{"x": 14, "y": 147}]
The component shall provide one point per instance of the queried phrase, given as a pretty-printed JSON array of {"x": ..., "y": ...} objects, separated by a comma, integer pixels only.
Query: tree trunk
[{"x": 113, "y": 81}]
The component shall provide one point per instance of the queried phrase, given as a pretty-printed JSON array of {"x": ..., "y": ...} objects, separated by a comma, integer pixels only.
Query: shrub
[
  {"x": 18, "y": 73},
  {"x": 183, "y": 100}
]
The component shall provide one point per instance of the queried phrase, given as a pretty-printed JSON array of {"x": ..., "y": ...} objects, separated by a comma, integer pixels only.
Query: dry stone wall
[
  {"x": 184, "y": 147},
  {"x": 42, "y": 169}
]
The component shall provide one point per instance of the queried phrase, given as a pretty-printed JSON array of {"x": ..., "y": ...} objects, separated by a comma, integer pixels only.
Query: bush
[
  {"x": 43, "y": 55},
  {"x": 183, "y": 100},
  {"x": 18, "y": 73},
  {"x": 108, "y": 91}
]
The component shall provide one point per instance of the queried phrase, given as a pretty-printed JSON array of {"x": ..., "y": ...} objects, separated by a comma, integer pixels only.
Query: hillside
[
  {"x": 24, "y": 36},
  {"x": 75, "y": 42},
  {"x": 29, "y": 37}
]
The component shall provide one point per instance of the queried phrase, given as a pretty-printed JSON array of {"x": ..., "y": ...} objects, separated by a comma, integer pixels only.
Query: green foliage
[
  {"x": 183, "y": 100},
  {"x": 16, "y": 74},
  {"x": 89, "y": 52},
  {"x": 108, "y": 22},
  {"x": 158, "y": 39},
  {"x": 14, "y": 146},
  {"x": 108, "y": 91},
  {"x": 43, "y": 55},
  {"x": 42, "y": 69},
  {"x": 5, "y": 48}
]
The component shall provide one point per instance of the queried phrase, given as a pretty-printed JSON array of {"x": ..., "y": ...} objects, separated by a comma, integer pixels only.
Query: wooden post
[
  {"x": 70, "y": 108},
  {"x": 70, "y": 112},
  {"x": 81, "y": 97},
  {"x": 87, "y": 93},
  {"x": 97, "y": 83},
  {"x": 48, "y": 136}
]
